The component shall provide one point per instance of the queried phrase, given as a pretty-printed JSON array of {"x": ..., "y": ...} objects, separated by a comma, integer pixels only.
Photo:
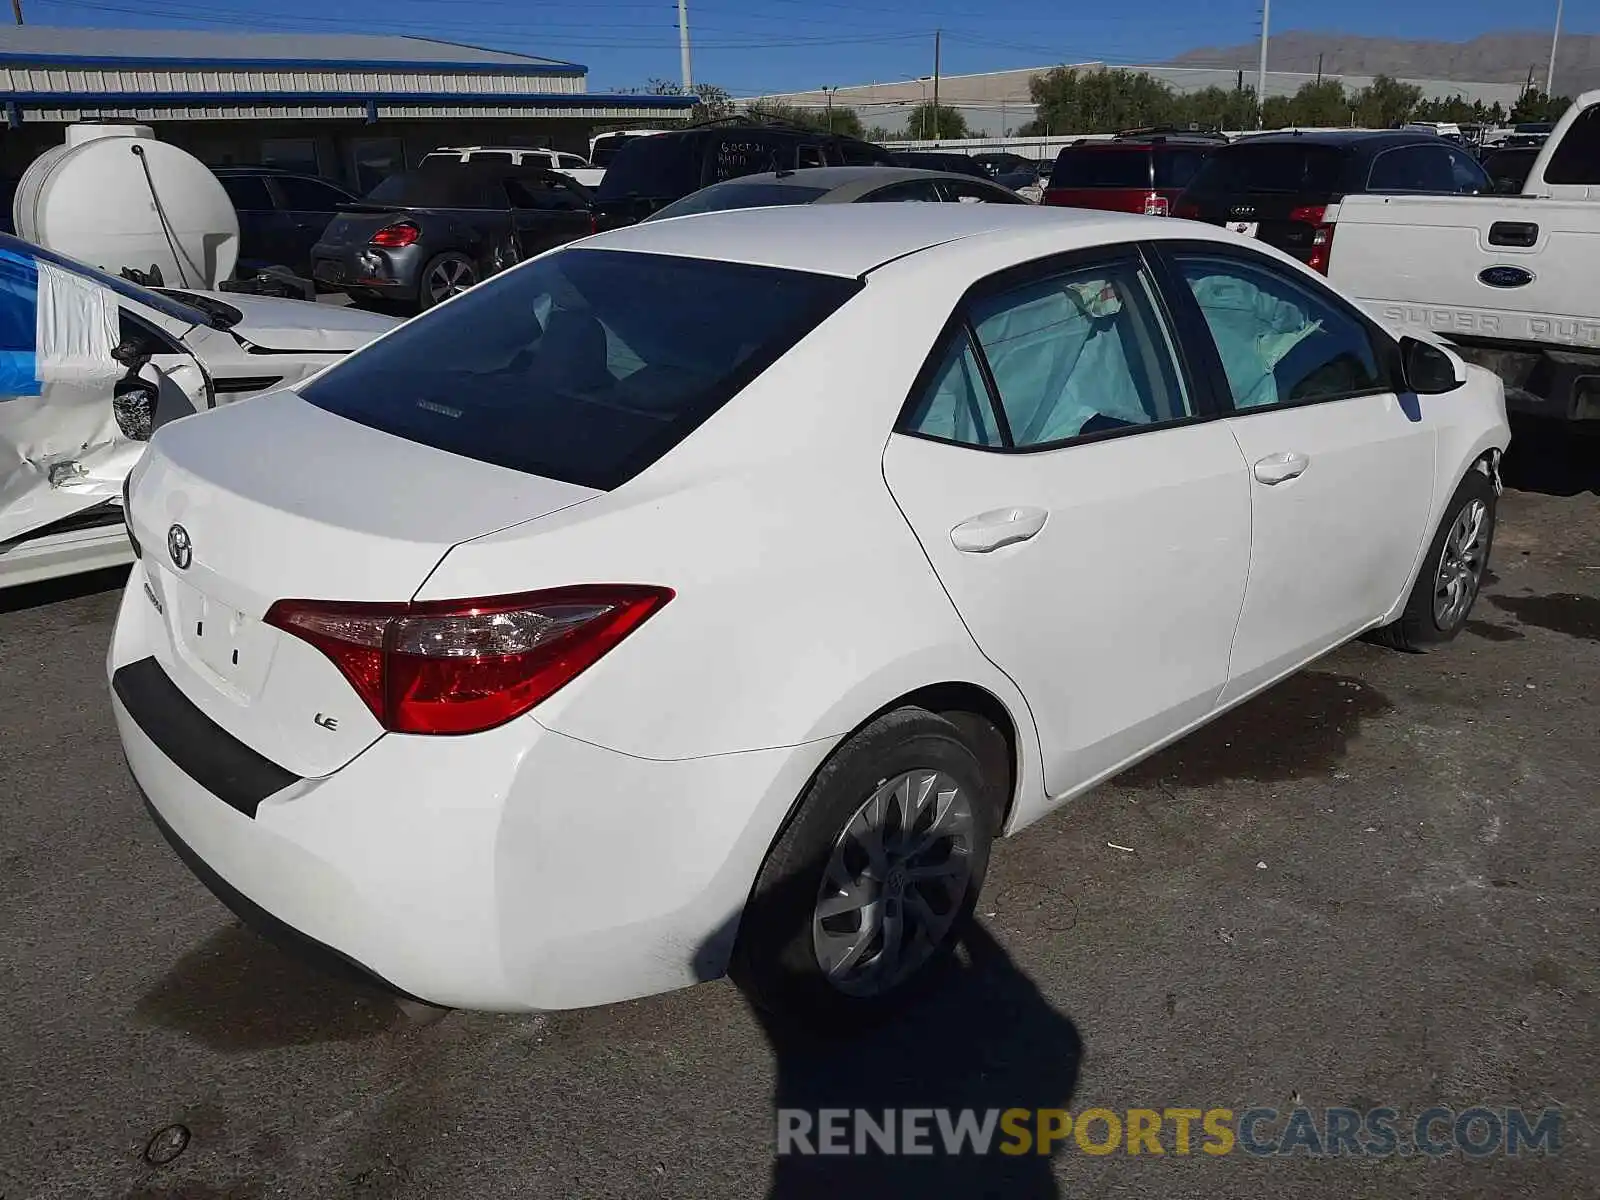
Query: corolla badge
[
  {"x": 1505, "y": 277},
  {"x": 180, "y": 547}
]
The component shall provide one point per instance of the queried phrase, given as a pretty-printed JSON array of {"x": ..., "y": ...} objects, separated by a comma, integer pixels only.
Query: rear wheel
[
  {"x": 866, "y": 890},
  {"x": 447, "y": 275},
  {"x": 1451, "y": 575}
]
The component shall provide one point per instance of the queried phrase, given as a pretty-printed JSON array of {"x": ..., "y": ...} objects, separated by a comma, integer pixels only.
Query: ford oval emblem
[{"x": 1505, "y": 277}]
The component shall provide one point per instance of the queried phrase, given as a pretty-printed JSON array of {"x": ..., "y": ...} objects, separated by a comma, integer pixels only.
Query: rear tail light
[
  {"x": 1156, "y": 205},
  {"x": 1321, "y": 235},
  {"x": 396, "y": 236},
  {"x": 594, "y": 223},
  {"x": 462, "y": 666}
]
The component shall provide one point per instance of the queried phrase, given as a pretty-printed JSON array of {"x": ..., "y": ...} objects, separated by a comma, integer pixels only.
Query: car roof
[
  {"x": 1356, "y": 139},
  {"x": 829, "y": 178},
  {"x": 850, "y": 240}
]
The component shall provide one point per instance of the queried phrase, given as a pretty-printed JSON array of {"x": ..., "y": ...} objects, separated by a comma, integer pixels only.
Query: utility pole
[
  {"x": 828, "y": 92},
  {"x": 1549, "y": 79},
  {"x": 936, "y": 36},
  {"x": 1261, "y": 72},
  {"x": 16, "y": 10},
  {"x": 1319, "y": 70},
  {"x": 683, "y": 46}
]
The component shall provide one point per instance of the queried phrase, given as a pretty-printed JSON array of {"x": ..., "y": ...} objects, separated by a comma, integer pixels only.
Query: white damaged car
[{"x": 91, "y": 364}]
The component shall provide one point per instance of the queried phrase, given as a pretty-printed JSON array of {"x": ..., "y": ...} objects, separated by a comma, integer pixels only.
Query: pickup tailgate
[{"x": 1495, "y": 268}]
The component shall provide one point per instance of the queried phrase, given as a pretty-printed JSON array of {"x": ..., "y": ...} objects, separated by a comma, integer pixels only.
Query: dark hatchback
[
  {"x": 649, "y": 173},
  {"x": 1285, "y": 188},
  {"x": 1133, "y": 172},
  {"x": 422, "y": 236}
]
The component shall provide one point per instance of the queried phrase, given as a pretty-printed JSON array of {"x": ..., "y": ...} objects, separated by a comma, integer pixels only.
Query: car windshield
[
  {"x": 1284, "y": 167},
  {"x": 723, "y": 196},
  {"x": 583, "y": 366},
  {"x": 1102, "y": 167},
  {"x": 127, "y": 289}
]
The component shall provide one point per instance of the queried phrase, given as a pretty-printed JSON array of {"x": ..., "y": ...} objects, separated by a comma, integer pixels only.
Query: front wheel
[
  {"x": 1452, "y": 574},
  {"x": 866, "y": 890}
]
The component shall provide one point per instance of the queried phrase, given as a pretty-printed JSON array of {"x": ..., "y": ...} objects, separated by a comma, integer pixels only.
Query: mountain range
[{"x": 1492, "y": 58}]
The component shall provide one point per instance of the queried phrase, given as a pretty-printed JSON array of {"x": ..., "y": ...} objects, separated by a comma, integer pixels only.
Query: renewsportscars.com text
[{"x": 1477, "y": 1132}]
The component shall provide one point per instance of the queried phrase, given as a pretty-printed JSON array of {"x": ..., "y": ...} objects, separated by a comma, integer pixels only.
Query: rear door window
[
  {"x": 308, "y": 195},
  {"x": 1285, "y": 168},
  {"x": 912, "y": 191},
  {"x": 584, "y": 366},
  {"x": 739, "y": 154},
  {"x": 1412, "y": 169}
]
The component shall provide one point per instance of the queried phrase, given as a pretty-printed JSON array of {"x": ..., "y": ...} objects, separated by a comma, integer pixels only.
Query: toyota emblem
[{"x": 179, "y": 546}]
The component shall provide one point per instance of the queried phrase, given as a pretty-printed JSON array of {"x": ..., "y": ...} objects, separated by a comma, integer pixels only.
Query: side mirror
[{"x": 1429, "y": 370}]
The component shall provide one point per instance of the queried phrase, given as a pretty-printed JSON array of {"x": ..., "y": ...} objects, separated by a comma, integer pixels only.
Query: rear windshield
[
  {"x": 1102, "y": 167},
  {"x": 606, "y": 147},
  {"x": 584, "y": 365},
  {"x": 661, "y": 166},
  {"x": 440, "y": 186},
  {"x": 721, "y": 197},
  {"x": 1274, "y": 167}
]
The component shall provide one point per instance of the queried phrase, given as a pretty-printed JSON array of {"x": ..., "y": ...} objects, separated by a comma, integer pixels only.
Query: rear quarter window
[{"x": 584, "y": 366}]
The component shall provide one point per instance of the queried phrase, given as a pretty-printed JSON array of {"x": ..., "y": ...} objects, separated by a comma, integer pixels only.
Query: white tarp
[{"x": 61, "y": 450}]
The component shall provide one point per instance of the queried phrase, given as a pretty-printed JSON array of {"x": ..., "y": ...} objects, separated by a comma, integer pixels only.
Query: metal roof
[{"x": 180, "y": 48}]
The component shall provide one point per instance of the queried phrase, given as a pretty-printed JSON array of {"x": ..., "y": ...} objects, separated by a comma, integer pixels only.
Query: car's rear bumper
[
  {"x": 515, "y": 870},
  {"x": 365, "y": 269}
]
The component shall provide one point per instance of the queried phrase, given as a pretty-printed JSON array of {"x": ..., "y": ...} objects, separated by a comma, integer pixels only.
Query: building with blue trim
[{"x": 352, "y": 107}]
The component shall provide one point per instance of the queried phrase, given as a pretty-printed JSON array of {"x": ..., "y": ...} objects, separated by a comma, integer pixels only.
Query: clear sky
[{"x": 751, "y": 46}]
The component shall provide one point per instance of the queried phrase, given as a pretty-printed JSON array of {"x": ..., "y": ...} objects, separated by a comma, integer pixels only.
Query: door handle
[
  {"x": 1513, "y": 233},
  {"x": 999, "y": 527},
  {"x": 1281, "y": 467}
]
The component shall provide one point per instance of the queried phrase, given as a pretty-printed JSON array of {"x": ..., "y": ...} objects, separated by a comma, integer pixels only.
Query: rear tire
[
  {"x": 1447, "y": 585},
  {"x": 446, "y": 275},
  {"x": 867, "y": 889}
]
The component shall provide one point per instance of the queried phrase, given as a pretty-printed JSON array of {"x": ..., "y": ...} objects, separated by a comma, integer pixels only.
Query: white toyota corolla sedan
[{"x": 707, "y": 596}]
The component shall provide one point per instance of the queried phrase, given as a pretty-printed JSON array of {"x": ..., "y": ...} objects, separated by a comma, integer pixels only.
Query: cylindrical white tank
[{"x": 114, "y": 200}]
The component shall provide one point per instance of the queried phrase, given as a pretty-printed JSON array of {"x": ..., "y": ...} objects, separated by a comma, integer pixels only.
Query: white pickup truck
[
  {"x": 574, "y": 166},
  {"x": 1512, "y": 281}
]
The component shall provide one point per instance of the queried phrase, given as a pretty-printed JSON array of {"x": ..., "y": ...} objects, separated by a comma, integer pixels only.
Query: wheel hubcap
[
  {"x": 449, "y": 279},
  {"x": 1461, "y": 564},
  {"x": 894, "y": 883}
]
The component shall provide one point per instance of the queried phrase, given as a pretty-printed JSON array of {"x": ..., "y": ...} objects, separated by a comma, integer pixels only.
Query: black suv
[
  {"x": 281, "y": 215},
  {"x": 1284, "y": 187},
  {"x": 649, "y": 173}
]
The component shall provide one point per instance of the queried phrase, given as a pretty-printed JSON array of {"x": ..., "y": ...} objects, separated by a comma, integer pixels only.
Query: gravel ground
[{"x": 1375, "y": 885}]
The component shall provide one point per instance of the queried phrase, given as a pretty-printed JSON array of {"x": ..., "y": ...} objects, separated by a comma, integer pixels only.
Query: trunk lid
[
  {"x": 1286, "y": 220},
  {"x": 356, "y": 223},
  {"x": 335, "y": 511}
]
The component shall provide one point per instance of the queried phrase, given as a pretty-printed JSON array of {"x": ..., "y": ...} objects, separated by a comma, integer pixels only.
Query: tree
[
  {"x": 1068, "y": 100},
  {"x": 879, "y": 133},
  {"x": 710, "y": 101},
  {"x": 1385, "y": 103},
  {"x": 924, "y": 123},
  {"x": 1534, "y": 105},
  {"x": 1220, "y": 108},
  {"x": 1452, "y": 109}
]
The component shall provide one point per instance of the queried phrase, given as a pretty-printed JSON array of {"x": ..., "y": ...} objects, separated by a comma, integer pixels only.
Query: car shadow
[
  {"x": 1548, "y": 457},
  {"x": 70, "y": 587},
  {"x": 981, "y": 1037},
  {"x": 238, "y": 992}
]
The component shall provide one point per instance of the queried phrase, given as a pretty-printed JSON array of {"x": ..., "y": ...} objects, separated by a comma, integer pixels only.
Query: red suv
[{"x": 1141, "y": 171}]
